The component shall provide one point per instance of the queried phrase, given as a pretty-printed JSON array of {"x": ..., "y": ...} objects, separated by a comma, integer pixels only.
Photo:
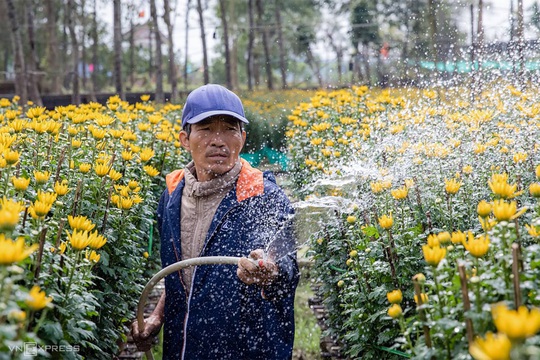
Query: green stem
[
  {"x": 405, "y": 333},
  {"x": 72, "y": 272}
]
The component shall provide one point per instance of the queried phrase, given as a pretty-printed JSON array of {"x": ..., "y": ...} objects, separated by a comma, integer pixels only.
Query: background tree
[
  {"x": 206, "y": 70},
  {"x": 170, "y": 44},
  {"x": 17, "y": 46},
  {"x": 159, "y": 98},
  {"x": 223, "y": 14}
]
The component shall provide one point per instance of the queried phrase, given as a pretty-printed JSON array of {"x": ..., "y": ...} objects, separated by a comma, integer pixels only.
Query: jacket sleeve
[{"x": 277, "y": 222}]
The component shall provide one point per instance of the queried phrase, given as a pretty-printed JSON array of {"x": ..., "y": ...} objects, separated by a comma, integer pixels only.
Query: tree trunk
[
  {"x": 131, "y": 54},
  {"x": 314, "y": 66},
  {"x": 282, "y": 61},
  {"x": 433, "y": 30},
  {"x": 170, "y": 44},
  {"x": 159, "y": 58},
  {"x": 32, "y": 65},
  {"x": 339, "y": 54},
  {"x": 251, "y": 40},
  {"x": 83, "y": 44},
  {"x": 186, "y": 47},
  {"x": 206, "y": 71},
  {"x": 94, "y": 86},
  {"x": 264, "y": 32},
  {"x": 117, "y": 38},
  {"x": 53, "y": 70},
  {"x": 480, "y": 34},
  {"x": 75, "y": 95},
  {"x": 520, "y": 45},
  {"x": 16, "y": 43},
  {"x": 223, "y": 11}
]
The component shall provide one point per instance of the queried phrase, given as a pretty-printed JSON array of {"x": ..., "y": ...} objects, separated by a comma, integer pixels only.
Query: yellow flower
[
  {"x": 9, "y": 214},
  {"x": 516, "y": 324},
  {"x": 115, "y": 175},
  {"x": 479, "y": 246},
  {"x": 76, "y": 143},
  {"x": 46, "y": 197},
  {"x": 145, "y": 97},
  {"x": 452, "y": 186},
  {"x": 146, "y": 154},
  {"x": 500, "y": 187},
  {"x": 394, "y": 296},
  {"x": 386, "y": 221},
  {"x": 400, "y": 194},
  {"x": 376, "y": 187},
  {"x": 351, "y": 219},
  {"x": 39, "y": 209},
  {"x": 96, "y": 241},
  {"x": 467, "y": 169},
  {"x": 487, "y": 223},
  {"x": 484, "y": 208},
  {"x": 395, "y": 311},
  {"x": 20, "y": 183},
  {"x": 37, "y": 299},
  {"x": 85, "y": 168},
  {"x": 17, "y": 315},
  {"x": 62, "y": 248},
  {"x": 79, "y": 239},
  {"x": 11, "y": 157},
  {"x": 80, "y": 223},
  {"x": 101, "y": 169},
  {"x": 353, "y": 253},
  {"x": 150, "y": 170},
  {"x": 433, "y": 240},
  {"x": 145, "y": 254},
  {"x": 423, "y": 298},
  {"x": 132, "y": 184},
  {"x": 433, "y": 255},
  {"x": 92, "y": 256},
  {"x": 534, "y": 189},
  {"x": 127, "y": 155},
  {"x": 520, "y": 157},
  {"x": 124, "y": 203},
  {"x": 35, "y": 112},
  {"x": 493, "y": 347},
  {"x": 14, "y": 251},
  {"x": 505, "y": 211},
  {"x": 444, "y": 237},
  {"x": 532, "y": 230},
  {"x": 42, "y": 176},
  {"x": 61, "y": 189},
  {"x": 458, "y": 237}
]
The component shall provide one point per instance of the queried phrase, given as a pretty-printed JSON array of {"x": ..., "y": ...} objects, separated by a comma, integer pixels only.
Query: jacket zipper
[{"x": 186, "y": 317}]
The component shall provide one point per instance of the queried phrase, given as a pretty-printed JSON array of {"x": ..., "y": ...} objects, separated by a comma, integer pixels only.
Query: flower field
[
  {"x": 78, "y": 191},
  {"x": 429, "y": 248}
]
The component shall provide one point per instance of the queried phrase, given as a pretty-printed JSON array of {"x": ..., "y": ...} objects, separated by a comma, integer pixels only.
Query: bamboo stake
[
  {"x": 515, "y": 272},
  {"x": 466, "y": 302}
]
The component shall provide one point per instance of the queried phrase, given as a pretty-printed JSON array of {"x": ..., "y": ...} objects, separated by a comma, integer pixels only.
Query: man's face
[{"x": 214, "y": 144}]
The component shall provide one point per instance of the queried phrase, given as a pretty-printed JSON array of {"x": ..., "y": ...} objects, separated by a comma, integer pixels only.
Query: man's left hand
[{"x": 257, "y": 270}]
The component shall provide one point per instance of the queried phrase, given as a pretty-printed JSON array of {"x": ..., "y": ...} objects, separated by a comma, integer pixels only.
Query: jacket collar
[{"x": 250, "y": 181}]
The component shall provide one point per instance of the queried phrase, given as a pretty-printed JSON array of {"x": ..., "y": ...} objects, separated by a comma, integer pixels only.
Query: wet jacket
[{"x": 223, "y": 318}]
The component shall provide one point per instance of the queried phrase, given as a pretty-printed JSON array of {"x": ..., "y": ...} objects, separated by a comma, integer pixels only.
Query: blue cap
[{"x": 210, "y": 100}]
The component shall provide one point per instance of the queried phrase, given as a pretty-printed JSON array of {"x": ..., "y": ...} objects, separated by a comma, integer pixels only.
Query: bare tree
[
  {"x": 520, "y": 44},
  {"x": 281, "y": 45},
  {"x": 159, "y": 59},
  {"x": 94, "y": 34},
  {"x": 186, "y": 45},
  {"x": 251, "y": 41},
  {"x": 53, "y": 71},
  {"x": 264, "y": 32},
  {"x": 170, "y": 44},
  {"x": 117, "y": 38},
  {"x": 16, "y": 43},
  {"x": 223, "y": 13},
  {"x": 75, "y": 94},
  {"x": 206, "y": 72},
  {"x": 32, "y": 63}
]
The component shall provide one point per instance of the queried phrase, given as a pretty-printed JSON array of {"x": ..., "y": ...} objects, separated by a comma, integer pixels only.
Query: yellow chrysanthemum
[
  {"x": 37, "y": 299},
  {"x": 96, "y": 241},
  {"x": 386, "y": 221},
  {"x": 505, "y": 211},
  {"x": 61, "y": 188},
  {"x": 477, "y": 246},
  {"x": 46, "y": 197},
  {"x": 433, "y": 255},
  {"x": 150, "y": 170},
  {"x": 20, "y": 183},
  {"x": 423, "y": 297},
  {"x": 534, "y": 189},
  {"x": 484, "y": 208},
  {"x": 79, "y": 239},
  {"x": 452, "y": 186},
  {"x": 41, "y": 176},
  {"x": 394, "y": 296},
  {"x": 80, "y": 223},
  {"x": 14, "y": 251},
  {"x": 516, "y": 324},
  {"x": 458, "y": 237},
  {"x": 400, "y": 193},
  {"x": 85, "y": 168},
  {"x": 493, "y": 347},
  {"x": 115, "y": 175},
  {"x": 92, "y": 256},
  {"x": 532, "y": 230},
  {"x": 395, "y": 311}
]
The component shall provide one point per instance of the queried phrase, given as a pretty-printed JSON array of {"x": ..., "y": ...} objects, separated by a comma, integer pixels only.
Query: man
[{"x": 220, "y": 206}]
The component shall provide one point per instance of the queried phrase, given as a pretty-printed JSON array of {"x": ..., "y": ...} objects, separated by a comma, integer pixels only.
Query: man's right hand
[{"x": 144, "y": 340}]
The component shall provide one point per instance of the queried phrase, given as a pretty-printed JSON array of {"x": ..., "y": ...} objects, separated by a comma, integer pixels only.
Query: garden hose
[{"x": 207, "y": 260}]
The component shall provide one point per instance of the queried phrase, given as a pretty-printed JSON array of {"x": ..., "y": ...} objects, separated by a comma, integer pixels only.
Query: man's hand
[
  {"x": 256, "y": 270},
  {"x": 144, "y": 340}
]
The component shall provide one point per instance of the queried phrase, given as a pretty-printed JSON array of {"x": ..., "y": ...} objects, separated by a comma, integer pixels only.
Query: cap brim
[{"x": 207, "y": 114}]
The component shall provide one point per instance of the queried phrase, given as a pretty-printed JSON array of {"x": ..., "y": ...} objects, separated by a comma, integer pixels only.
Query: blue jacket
[{"x": 223, "y": 318}]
